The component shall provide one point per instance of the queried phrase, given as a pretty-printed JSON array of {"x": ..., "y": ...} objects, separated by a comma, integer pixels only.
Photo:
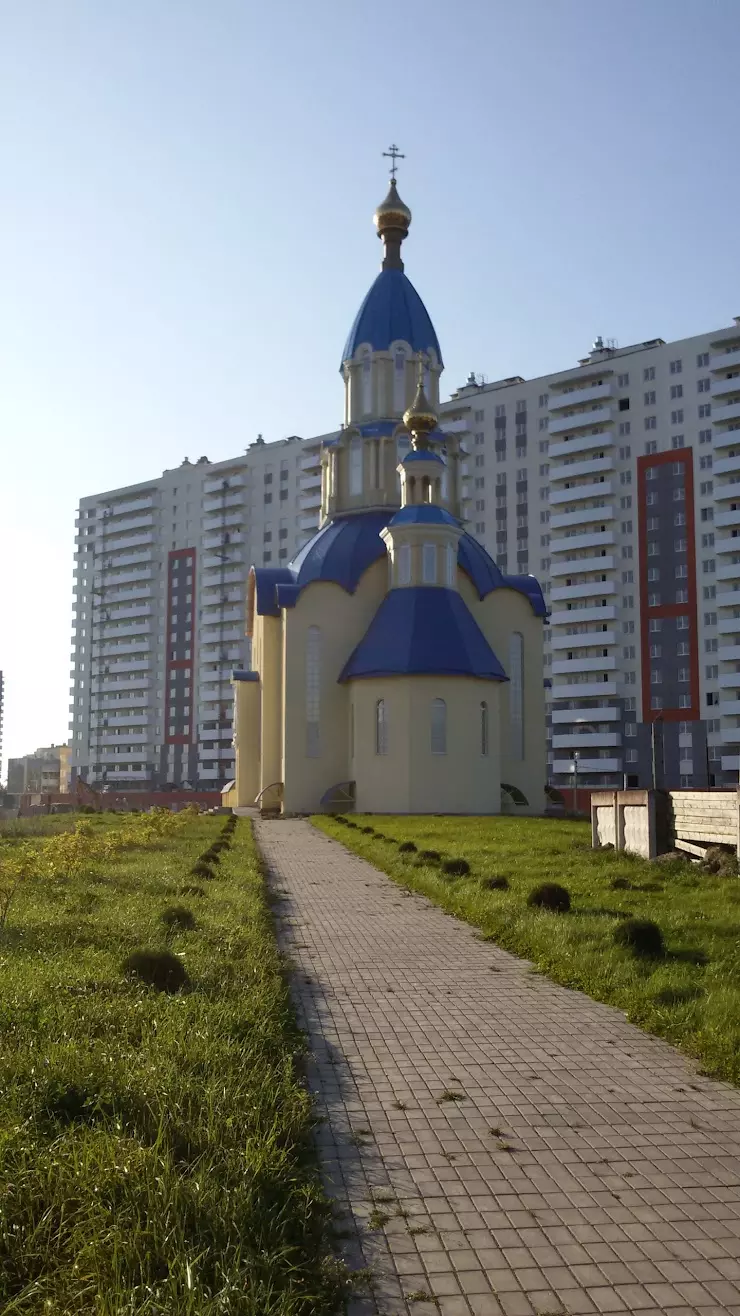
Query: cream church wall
[{"x": 322, "y": 604}]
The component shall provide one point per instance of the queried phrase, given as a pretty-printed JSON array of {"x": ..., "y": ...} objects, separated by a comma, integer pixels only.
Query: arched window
[
  {"x": 429, "y": 564},
  {"x": 355, "y": 465},
  {"x": 367, "y": 384},
  {"x": 484, "y": 729},
  {"x": 313, "y": 691},
  {"x": 438, "y": 726},
  {"x": 381, "y": 727},
  {"x": 404, "y": 564},
  {"x": 375, "y": 464},
  {"x": 399, "y": 381},
  {"x": 516, "y": 696},
  {"x": 450, "y": 565}
]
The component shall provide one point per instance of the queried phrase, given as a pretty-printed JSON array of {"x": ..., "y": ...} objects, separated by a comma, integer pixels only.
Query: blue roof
[
  {"x": 422, "y": 455},
  {"x": 343, "y": 549},
  {"x": 391, "y": 312},
  {"x": 423, "y": 631},
  {"x": 423, "y": 514},
  {"x": 241, "y": 675}
]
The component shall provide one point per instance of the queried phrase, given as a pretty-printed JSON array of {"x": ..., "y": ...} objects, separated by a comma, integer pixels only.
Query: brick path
[{"x": 587, "y": 1168}]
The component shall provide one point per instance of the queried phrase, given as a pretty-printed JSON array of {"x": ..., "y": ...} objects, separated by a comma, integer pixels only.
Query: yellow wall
[
  {"x": 247, "y": 705},
  {"x": 409, "y": 778}
]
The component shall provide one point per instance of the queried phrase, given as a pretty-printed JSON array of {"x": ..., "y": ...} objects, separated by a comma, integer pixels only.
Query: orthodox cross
[{"x": 394, "y": 154}]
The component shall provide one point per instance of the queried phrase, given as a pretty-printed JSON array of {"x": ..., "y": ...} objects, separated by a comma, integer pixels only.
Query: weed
[
  {"x": 377, "y": 1219},
  {"x": 496, "y": 883},
  {"x": 450, "y": 1095}
]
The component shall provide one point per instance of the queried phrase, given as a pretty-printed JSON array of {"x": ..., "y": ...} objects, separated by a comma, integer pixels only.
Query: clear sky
[{"x": 186, "y": 192}]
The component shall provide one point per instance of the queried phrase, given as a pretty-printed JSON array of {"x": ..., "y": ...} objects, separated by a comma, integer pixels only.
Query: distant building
[
  {"x": 45, "y": 771},
  {"x": 2, "y": 695}
]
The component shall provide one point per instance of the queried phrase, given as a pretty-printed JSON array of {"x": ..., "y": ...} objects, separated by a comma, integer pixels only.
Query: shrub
[
  {"x": 202, "y": 869},
  {"x": 456, "y": 867},
  {"x": 620, "y": 884},
  {"x": 211, "y": 856},
  {"x": 407, "y": 847},
  {"x": 641, "y": 936},
  {"x": 157, "y": 968},
  {"x": 432, "y": 855},
  {"x": 178, "y": 917},
  {"x": 191, "y": 890},
  {"x": 495, "y": 883},
  {"x": 550, "y": 895},
  {"x": 352, "y": 825},
  {"x": 340, "y": 818},
  {"x": 369, "y": 831}
]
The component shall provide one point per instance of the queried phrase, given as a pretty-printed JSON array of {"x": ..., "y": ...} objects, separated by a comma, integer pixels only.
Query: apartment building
[
  {"x": 617, "y": 484},
  {"x": 160, "y": 583},
  {"x": 46, "y": 770}
]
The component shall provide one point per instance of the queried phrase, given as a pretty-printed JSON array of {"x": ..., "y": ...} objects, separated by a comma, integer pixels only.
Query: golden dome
[
  {"x": 392, "y": 212},
  {"x": 420, "y": 417}
]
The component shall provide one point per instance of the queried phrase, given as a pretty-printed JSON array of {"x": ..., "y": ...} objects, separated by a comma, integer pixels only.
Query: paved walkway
[{"x": 491, "y": 1140}]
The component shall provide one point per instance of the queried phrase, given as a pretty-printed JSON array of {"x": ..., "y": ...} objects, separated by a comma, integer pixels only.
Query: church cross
[{"x": 394, "y": 154}]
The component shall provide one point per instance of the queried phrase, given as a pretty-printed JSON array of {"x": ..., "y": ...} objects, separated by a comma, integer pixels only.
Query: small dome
[
  {"x": 392, "y": 212},
  {"x": 420, "y": 417}
]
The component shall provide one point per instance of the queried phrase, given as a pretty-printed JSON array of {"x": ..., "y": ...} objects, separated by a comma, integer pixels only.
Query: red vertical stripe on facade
[
  {"x": 686, "y": 457},
  {"x": 179, "y": 664}
]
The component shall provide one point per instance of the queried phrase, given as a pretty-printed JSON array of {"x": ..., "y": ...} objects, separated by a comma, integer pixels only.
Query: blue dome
[
  {"x": 422, "y": 455},
  {"x": 391, "y": 312}
]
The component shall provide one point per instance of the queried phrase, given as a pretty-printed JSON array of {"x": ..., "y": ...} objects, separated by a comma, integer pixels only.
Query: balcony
[
  {"x": 123, "y": 683},
  {"x": 585, "y": 690},
  {"x": 598, "y": 515},
  {"x": 220, "y": 634},
  {"x": 224, "y": 576},
  {"x": 130, "y": 610},
  {"x": 229, "y": 556},
  {"x": 109, "y": 547},
  {"x": 588, "y": 740},
  {"x": 728, "y": 464},
  {"x": 572, "y": 471},
  {"x": 579, "y": 396},
  {"x": 124, "y": 665},
  {"x": 309, "y": 482},
  {"x": 602, "y": 489},
  {"x": 215, "y": 503},
  {"x": 729, "y": 544},
  {"x": 730, "y": 735},
  {"x": 137, "y": 738},
  {"x": 220, "y": 733},
  {"x": 726, "y": 438},
  {"x": 727, "y": 492},
  {"x": 223, "y": 521},
  {"x": 586, "y": 765},
  {"x": 594, "y": 588},
  {"x": 729, "y": 598},
  {"x": 725, "y": 360},
  {"x": 123, "y": 720},
  {"x": 575, "y": 715},
  {"x": 728, "y": 518},
  {"x": 309, "y": 522},
  {"x": 109, "y": 632},
  {"x": 729, "y": 572},
  {"x": 729, "y": 625},
  {"x": 729, "y": 652},
  {"x": 308, "y": 501},
  {"x": 730, "y": 763},
  {"x": 598, "y": 639},
  {"x": 132, "y": 505},
  {"x": 223, "y": 539},
  {"x": 123, "y": 578},
  {"x": 724, "y": 387},
  {"x": 591, "y": 539},
  {"x": 111, "y": 560},
  {"x": 310, "y": 461},
  {"x": 222, "y": 755},
  {"x": 571, "y": 566},
  {"x": 581, "y": 420},
  {"x": 101, "y": 654},
  {"x": 572, "y": 616},
  {"x": 729, "y": 707},
  {"x": 722, "y": 414},
  {"x": 569, "y": 666},
  {"x": 220, "y": 617},
  {"x": 236, "y": 481}
]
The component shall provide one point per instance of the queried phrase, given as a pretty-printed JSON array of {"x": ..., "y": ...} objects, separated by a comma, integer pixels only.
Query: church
[{"x": 395, "y": 669}]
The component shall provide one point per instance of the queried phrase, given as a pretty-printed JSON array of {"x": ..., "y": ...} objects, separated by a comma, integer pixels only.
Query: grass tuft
[
  {"x": 641, "y": 936},
  {"x": 456, "y": 867},
  {"x": 157, "y": 968},
  {"x": 178, "y": 918},
  {"x": 551, "y": 896}
]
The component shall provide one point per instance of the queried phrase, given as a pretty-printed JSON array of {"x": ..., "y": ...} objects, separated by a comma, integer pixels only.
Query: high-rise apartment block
[{"x": 616, "y": 483}]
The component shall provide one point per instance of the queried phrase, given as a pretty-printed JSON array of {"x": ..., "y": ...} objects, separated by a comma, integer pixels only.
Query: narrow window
[
  {"x": 313, "y": 690},
  {"x": 516, "y": 696},
  {"x": 381, "y": 728},
  {"x": 450, "y": 565},
  {"x": 355, "y": 465},
  {"x": 429, "y": 564},
  {"x": 439, "y": 726},
  {"x": 404, "y": 564},
  {"x": 367, "y": 385},
  {"x": 399, "y": 381},
  {"x": 484, "y": 729}
]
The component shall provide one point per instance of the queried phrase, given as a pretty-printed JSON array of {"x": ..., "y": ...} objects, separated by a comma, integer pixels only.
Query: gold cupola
[
  {"x": 392, "y": 219},
  {"x": 420, "y": 418}
]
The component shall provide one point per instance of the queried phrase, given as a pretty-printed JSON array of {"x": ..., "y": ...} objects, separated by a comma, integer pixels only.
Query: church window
[
  {"x": 367, "y": 385},
  {"x": 399, "y": 381},
  {"x": 516, "y": 696},
  {"x": 404, "y": 564},
  {"x": 313, "y": 690},
  {"x": 438, "y": 726},
  {"x": 381, "y": 728},
  {"x": 429, "y": 564},
  {"x": 450, "y": 565},
  {"x": 355, "y": 466},
  {"x": 484, "y": 729},
  {"x": 375, "y": 464}
]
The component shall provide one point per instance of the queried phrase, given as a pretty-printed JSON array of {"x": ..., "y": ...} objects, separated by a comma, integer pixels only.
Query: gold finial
[
  {"x": 392, "y": 212},
  {"x": 420, "y": 418}
]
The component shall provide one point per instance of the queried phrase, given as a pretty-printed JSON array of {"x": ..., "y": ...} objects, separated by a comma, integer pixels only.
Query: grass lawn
[
  {"x": 691, "y": 995},
  {"x": 154, "y": 1147}
]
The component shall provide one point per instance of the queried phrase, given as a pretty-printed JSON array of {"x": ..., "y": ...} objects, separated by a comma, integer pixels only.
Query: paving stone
[{"x": 621, "y": 1192}]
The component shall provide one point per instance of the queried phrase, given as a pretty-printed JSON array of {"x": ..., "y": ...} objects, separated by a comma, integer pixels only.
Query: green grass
[
  {"x": 154, "y": 1149},
  {"x": 691, "y": 996}
]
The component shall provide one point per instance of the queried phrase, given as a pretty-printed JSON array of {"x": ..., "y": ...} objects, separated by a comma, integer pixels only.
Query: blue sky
[{"x": 185, "y": 228}]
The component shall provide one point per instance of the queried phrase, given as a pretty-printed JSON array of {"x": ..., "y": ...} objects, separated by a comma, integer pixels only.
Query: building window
[
  {"x": 381, "y": 727},
  {"x": 702, "y": 385},
  {"x": 313, "y": 690},
  {"x": 438, "y": 726},
  {"x": 651, "y": 422},
  {"x": 648, "y": 373},
  {"x": 676, "y": 367},
  {"x": 399, "y": 381},
  {"x": 404, "y": 564},
  {"x": 516, "y": 695},
  {"x": 355, "y": 466},
  {"x": 484, "y": 729},
  {"x": 676, "y": 391},
  {"x": 650, "y": 398},
  {"x": 429, "y": 564},
  {"x": 450, "y": 565}
]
